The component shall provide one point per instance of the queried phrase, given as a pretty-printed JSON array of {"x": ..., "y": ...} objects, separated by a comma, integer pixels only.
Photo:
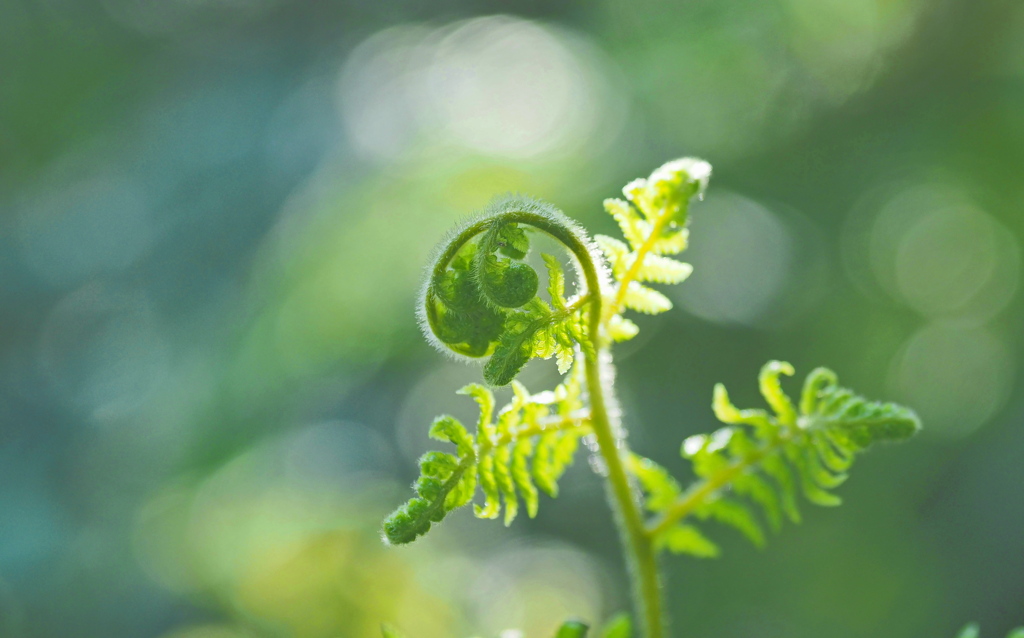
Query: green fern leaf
[
  {"x": 556, "y": 282},
  {"x": 663, "y": 270},
  {"x": 726, "y": 412},
  {"x": 671, "y": 242},
  {"x": 441, "y": 475},
  {"x": 757, "y": 489},
  {"x": 513, "y": 352},
  {"x": 489, "y": 485},
  {"x": 564, "y": 356},
  {"x": 616, "y": 252},
  {"x": 628, "y": 219},
  {"x": 622, "y": 329},
  {"x": 667, "y": 192},
  {"x": 812, "y": 448},
  {"x": 506, "y": 485},
  {"x": 687, "y": 539},
  {"x": 852, "y": 422},
  {"x": 521, "y": 454},
  {"x": 771, "y": 390},
  {"x": 659, "y": 486},
  {"x": 646, "y": 300},
  {"x": 543, "y": 429},
  {"x": 736, "y": 515},
  {"x": 775, "y": 467},
  {"x": 485, "y": 402}
]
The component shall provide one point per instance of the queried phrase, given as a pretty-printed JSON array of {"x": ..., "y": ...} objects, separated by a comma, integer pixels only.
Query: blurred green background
[{"x": 213, "y": 219}]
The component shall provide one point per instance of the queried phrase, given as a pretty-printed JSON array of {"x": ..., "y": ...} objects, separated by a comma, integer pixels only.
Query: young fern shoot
[{"x": 481, "y": 300}]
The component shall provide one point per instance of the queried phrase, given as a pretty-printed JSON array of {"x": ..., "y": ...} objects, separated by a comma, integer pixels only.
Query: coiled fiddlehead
[{"x": 481, "y": 300}]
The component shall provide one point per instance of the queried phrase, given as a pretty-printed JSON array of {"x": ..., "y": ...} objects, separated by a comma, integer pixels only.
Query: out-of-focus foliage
[
  {"x": 213, "y": 218},
  {"x": 973, "y": 631}
]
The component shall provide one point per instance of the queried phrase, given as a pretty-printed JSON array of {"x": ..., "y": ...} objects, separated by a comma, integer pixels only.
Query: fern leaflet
[
  {"x": 521, "y": 452},
  {"x": 811, "y": 447},
  {"x": 652, "y": 219}
]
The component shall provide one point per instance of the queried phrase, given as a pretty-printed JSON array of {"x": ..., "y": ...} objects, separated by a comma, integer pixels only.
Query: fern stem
[
  {"x": 628, "y": 516},
  {"x": 643, "y": 564},
  {"x": 699, "y": 493}
]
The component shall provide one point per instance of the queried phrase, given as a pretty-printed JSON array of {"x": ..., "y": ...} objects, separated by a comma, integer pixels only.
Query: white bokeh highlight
[{"x": 498, "y": 86}]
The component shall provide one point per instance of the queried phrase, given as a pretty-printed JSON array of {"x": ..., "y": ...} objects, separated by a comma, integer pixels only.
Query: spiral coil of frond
[{"x": 481, "y": 299}]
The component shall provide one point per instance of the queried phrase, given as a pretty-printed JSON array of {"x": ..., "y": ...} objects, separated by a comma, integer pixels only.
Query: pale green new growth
[
  {"x": 481, "y": 300},
  {"x": 653, "y": 224}
]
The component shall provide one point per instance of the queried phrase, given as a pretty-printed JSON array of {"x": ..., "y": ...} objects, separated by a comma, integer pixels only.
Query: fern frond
[
  {"x": 766, "y": 459},
  {"x": 523, "y": 450},
  {"x": 653, "y": 223}
]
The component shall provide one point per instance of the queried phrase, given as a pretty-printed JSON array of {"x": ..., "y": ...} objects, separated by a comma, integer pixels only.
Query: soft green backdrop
[{"x": 213, "y": 219}]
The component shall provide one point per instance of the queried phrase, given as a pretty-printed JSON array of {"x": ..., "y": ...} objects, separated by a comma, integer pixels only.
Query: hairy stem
[
  {"x": 628, "y": 517},
  {"x": 638, "y": 546},
  {"x": 643, "y": 564}
]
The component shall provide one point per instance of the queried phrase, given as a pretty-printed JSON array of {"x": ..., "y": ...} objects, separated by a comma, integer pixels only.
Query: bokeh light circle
[
  {"x": 742, "y": 254},
  {"x": 498, "y": 86},
  {"x": 956, "y": 376}
]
